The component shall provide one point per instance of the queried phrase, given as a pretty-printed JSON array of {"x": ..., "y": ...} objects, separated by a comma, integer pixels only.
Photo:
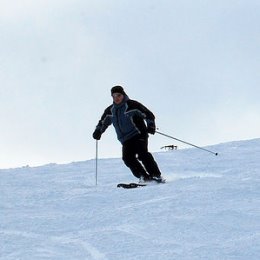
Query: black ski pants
[{"x": 135, "y": 151}]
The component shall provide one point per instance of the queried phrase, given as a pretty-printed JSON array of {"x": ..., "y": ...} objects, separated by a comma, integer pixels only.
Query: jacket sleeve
[
  {"x": 145, "y": 113},
  {"x": 105, "y": 121}
]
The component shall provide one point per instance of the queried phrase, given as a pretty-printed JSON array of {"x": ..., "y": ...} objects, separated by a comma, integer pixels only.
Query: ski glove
[
  {"x": 151, "y": 128},
  {"x": 97, "y": 134}
]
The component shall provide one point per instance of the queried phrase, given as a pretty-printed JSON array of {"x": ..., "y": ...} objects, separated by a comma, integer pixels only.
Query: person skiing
[{"x": 129, "y": 117}]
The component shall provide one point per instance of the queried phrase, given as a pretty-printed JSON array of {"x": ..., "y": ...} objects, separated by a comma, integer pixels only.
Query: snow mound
[{"x": 208, "y": 209}]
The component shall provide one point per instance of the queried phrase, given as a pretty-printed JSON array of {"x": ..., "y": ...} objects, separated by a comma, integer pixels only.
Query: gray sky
[{"x": 195, "y": 64}]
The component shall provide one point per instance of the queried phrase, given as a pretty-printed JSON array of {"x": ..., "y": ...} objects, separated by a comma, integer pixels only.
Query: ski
[
  {"x": 137, "y": 185},
  {"x": 130, "y": 185}
]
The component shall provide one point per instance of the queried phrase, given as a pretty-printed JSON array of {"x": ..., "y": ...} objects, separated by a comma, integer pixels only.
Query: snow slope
[{"x": 208, "y": 209}]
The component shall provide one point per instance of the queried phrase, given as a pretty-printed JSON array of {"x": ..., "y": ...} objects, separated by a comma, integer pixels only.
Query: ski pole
[
  {"x": 96, "y": 161},
  {"x": 186, "y": 142}
]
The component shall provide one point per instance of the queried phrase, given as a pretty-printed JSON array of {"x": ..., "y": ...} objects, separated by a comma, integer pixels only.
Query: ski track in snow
[
  {"x": 145, "y": 202},
  {"x": 209, "y": 208},
  {"x": 93, "y": 251},
  {"x": 90, "y": 250}
]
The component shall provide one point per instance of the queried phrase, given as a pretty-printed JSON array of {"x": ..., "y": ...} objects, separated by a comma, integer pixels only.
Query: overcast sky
[{"x": 195, "y": 64}]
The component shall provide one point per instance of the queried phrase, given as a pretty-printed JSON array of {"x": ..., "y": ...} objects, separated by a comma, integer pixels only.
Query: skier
[{"x": 129, "y": 117}]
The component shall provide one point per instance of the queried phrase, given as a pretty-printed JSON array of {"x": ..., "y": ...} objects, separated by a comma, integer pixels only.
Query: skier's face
[{"x": 118, "y": 98}]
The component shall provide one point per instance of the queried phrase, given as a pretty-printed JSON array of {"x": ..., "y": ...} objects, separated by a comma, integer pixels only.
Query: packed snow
[{"x": 208, "y": 209}]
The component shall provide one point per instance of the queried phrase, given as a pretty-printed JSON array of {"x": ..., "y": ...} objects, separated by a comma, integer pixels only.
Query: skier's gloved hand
[
  {"x": 97, "y": 134},
  {"x": 151, "y": 128}
]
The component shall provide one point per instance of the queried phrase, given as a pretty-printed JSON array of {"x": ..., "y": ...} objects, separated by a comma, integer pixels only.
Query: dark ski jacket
[{"x": 128, "y": 118}]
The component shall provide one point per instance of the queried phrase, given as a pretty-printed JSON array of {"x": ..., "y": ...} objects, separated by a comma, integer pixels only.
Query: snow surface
[{"x": 208, "y": 209}]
